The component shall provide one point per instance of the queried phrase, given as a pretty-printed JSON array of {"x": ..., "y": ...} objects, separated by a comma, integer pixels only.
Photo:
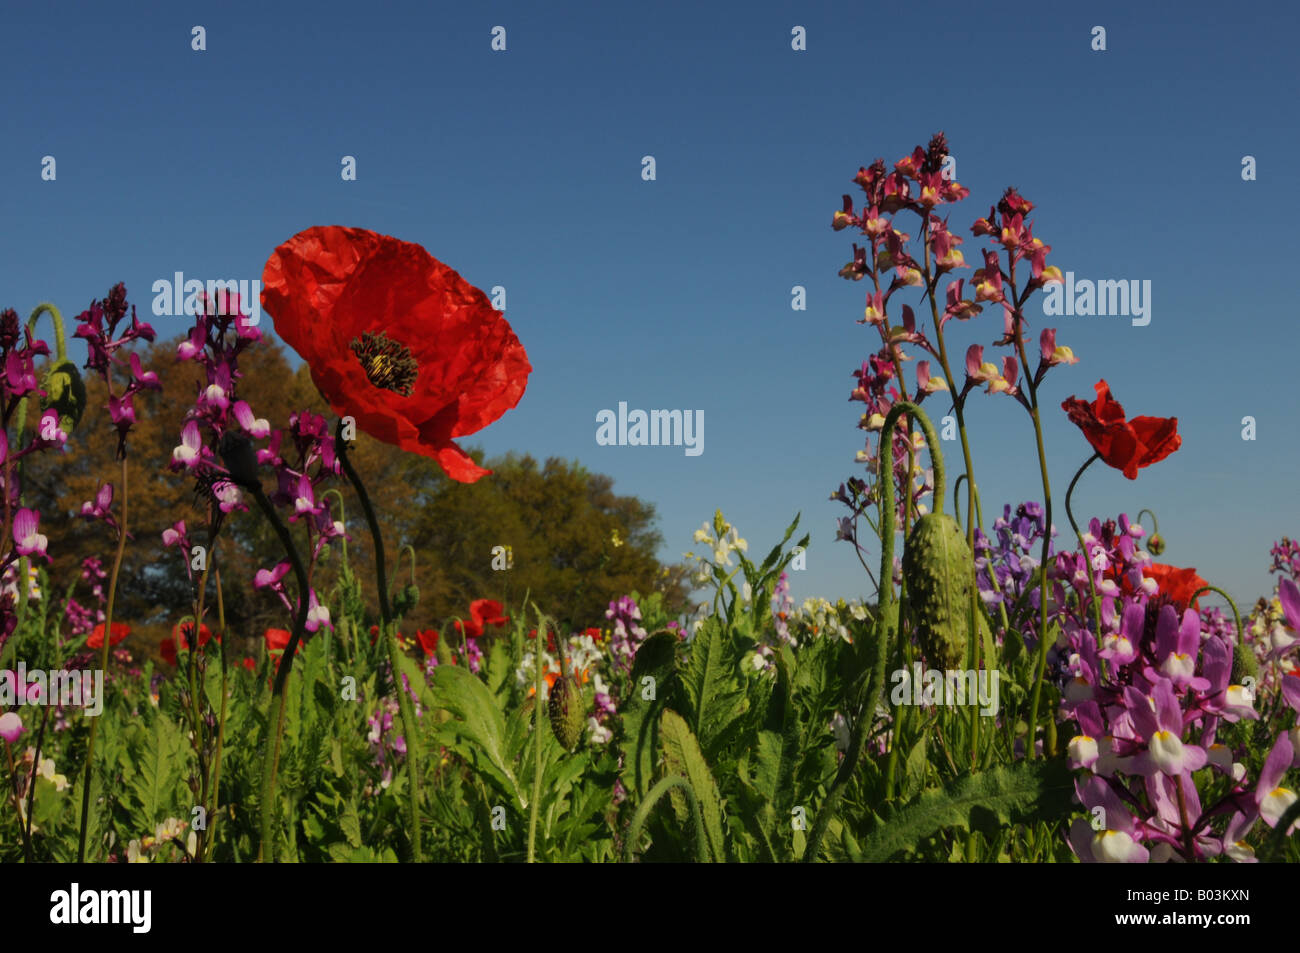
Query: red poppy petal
[
  {"x": 459, "y": 465},
  {"x": 326, "y": 286},
  {"x": 1159, "y": 436}
]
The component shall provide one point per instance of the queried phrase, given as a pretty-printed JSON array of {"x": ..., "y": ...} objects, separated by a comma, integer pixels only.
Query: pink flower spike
[
  {"x": 270, "y": 577},
  {"x": 305, "y": 502},
  {"x": 317, "y": 614},
  {"x": 192, "y": 346},
  {"x": 1272, "y": 798},
  {"x": 145, "y": 379},
  {"x": 48, "y": 431},
  {"x": 254, "y": 426},
  {"x": 27, "y": 540},
  {"x": 11, "y": 726},
  {"x": 187, "y": 453}
]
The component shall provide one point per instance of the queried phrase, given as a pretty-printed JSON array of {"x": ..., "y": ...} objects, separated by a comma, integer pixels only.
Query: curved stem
[
  {"x": 408, "y": 549},
  {"x": 276, "y": 728},
  {"x": 651, "y": 799},
  {"x": 390, "y": 640},
  {"x": 1087, "y": 557},
  {"x": 214, "y": 813},
  {"x": 56, "y": 318},
  {"x": 343, "y": 518},
  {"x": 1155, "y": 525},
  {"x": 1236, "y": 616},
  {"x": 103, "y": 664},
  {"x": 889, "y": 621},
  {"x": 537, "y": 734}
]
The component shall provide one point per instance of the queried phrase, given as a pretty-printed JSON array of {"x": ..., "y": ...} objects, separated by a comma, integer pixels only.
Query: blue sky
[{"x": 523, "y": 169}]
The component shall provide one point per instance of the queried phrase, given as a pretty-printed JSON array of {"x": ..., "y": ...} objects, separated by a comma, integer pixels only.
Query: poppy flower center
[{"x": 387, "y": 363}]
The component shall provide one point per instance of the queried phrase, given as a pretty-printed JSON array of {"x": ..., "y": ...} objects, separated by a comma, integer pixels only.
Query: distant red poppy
[
  {"x": 96, "y": 641},
  {"x": 1126, "y": 445},
  {"x": 428, "y": 640},
  {"x": 277, "y": 640},
  {"x": 249, "y": 664},
  {"x": 181, "y": 636},
  {"x": 395, "y": 339},
  {"x": 1178, "y": 584}
]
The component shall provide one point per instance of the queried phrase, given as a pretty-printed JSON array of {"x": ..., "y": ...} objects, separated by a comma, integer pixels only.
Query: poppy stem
[
  {"x": 103, "y": 665},
  {"x": 210, "y": 834},
  {"x": 1087, "y": 558},
  {"x": 537, "y": 732},
  {"x": 282, "y": 671},
  {"x": 887, "y": 624},
  {"x": 390, "y": 641}
]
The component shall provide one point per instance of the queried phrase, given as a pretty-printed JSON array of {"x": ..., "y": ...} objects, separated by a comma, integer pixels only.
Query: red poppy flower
[
  {"x": 428, "y": 640},
  {"x": 96, "y": 641},
  {"x": 249, "y": 664},
  {"x": 395, "y": 339},
  {"x": 277, "y": 640},
  {"x": 1126, "y": 445},
  {"x": 181, "y": 636},
  {"x": 1178, "y": 584},
  {"x": 487, "y": 612}
]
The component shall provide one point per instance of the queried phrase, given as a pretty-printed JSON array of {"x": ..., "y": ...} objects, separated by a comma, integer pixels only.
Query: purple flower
[
  {"x": 27, "y": 540},
  {"x": 1271, "y": 798},
  {"x": 11, "y": 726}
]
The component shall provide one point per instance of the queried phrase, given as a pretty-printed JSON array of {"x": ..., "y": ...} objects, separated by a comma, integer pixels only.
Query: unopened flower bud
[{"x": 1156, "y": 544}]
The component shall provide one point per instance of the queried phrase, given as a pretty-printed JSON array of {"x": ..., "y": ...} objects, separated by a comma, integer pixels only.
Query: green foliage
[{"x": 1021, "y": 793}]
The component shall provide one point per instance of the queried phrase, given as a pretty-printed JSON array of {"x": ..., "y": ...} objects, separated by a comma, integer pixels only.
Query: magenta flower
[
  {"x": 27, "y": 540},
  {"x": 101, "y": 507},
  {"x": 11, "y": 726},
  {"x": 1271, "y": 798},
  {"x": 176, "y": 536},
  {"x": 1118, "y": 840},
  {"x": 1159, "y": 719}
]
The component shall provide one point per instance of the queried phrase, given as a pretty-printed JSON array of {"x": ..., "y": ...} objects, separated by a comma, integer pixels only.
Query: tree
[{"x": 560, "y": 519}]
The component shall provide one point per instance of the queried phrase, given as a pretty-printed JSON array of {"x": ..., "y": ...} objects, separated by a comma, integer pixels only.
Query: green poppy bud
[
  {"x": 568, "y": 716},
  {"x": 940, "y": 572},
  {"x": 1244, "y": 664},
  {"x": 66, "y": 393},
  {"x": 1155, "y": 545}
]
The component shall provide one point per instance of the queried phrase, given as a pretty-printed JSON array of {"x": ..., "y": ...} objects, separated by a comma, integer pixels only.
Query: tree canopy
[{"x": 569, "y": 539}]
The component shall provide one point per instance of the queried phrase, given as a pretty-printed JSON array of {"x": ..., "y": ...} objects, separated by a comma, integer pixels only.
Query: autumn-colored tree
[{"x": 575, "y": 544}]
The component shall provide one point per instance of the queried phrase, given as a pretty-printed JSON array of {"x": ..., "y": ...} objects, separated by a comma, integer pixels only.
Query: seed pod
[
  {"x": 1244, "y": 664},
  {"x": 66, "y": 393},
  {"x": 940, "y": 573},
  {"x": 568, "y": 717}
]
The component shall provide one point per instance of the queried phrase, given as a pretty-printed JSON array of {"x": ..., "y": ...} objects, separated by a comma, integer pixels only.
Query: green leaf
[
  {"x": 350, "y": 825},
  {"x": 477, "y": 720},
  {"x": 712, "y": 689},
  {"x": 153, "y": 767},
  {"x": 682, "y": 756},
  {"x": 655, "y": 659},
  {"x": 1020, "y": 793}
]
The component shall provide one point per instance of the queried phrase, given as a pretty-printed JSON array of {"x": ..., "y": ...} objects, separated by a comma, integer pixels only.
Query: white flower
[{"x": 598, "y": 733}]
